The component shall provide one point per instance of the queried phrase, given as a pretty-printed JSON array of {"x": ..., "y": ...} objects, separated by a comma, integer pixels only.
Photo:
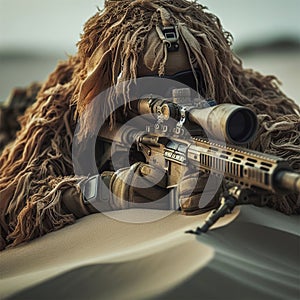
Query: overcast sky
[{"x": 55, "y": 25}]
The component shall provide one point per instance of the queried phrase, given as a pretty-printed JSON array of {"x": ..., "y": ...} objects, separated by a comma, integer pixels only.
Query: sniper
[{"x": 176, "y": 40}]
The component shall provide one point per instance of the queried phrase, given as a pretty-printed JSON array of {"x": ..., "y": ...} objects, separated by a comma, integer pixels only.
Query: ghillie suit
[
  {"x": 118, "y": 43},
  {"x": 15, "y": 106}
]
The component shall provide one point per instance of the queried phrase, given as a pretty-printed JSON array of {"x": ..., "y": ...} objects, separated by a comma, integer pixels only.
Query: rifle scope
[
  {"x": 235, "y": 123},
  {"x": 229, "y": 122}
]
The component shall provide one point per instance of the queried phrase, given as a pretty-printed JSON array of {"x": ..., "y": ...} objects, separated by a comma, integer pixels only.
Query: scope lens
[{"x": 242, "y": 125}]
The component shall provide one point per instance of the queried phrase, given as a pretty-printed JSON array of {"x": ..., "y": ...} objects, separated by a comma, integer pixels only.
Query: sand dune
[
  {"x": 115, "y": 250},
  {"x": 255, "y": 256}
]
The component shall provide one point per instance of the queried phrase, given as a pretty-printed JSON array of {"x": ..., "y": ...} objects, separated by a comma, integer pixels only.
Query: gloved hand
[
  {"x": 140, "y": 183},
  {"x": 193, "y": 198}
]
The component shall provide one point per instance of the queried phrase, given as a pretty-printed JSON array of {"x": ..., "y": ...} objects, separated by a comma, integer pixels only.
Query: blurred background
[{"x": 35, "y": 35}]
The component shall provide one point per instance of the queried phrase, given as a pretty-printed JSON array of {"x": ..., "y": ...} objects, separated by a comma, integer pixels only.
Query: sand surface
[
  {"x": 147, "y": 257},
  {"x": 255, "y": 256}
]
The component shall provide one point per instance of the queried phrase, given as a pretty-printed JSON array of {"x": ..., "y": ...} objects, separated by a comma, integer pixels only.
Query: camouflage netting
[{"x": 37, "y": 167}]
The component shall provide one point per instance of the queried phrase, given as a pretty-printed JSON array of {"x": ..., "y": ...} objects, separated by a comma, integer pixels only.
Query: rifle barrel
[
  {"x": 289, "y": 181},
  {"x": 245, "y": 167}
]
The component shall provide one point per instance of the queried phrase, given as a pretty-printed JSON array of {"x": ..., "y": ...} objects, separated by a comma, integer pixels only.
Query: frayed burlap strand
[{"x": 37, "y": 167}]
